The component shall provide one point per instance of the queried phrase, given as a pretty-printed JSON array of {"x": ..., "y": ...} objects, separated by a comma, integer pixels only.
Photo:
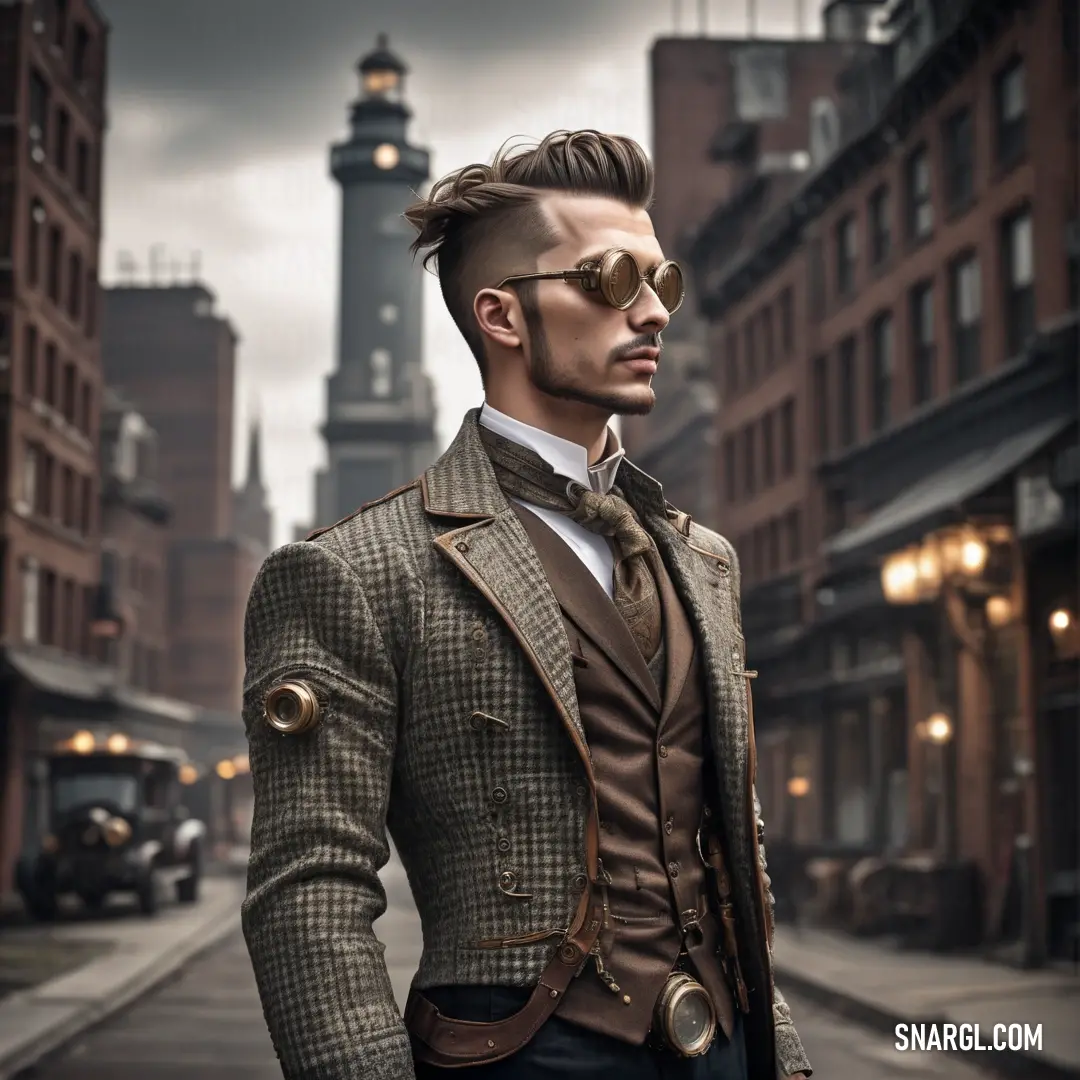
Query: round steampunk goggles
[
  {"x": 617, "y": 279},
  {"x": 685, "y": 1017}
]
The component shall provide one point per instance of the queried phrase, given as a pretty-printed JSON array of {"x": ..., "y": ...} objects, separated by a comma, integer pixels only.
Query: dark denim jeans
[{"x": 564, "y": 1051}]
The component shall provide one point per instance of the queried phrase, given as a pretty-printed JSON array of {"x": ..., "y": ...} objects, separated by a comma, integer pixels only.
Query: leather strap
[{"x": 455, "y": 1044}]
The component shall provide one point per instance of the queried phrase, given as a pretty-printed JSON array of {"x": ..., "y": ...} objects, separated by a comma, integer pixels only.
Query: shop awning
[
  {"x": 920, "y": 507},
  {"x": 61, "y": 675}
]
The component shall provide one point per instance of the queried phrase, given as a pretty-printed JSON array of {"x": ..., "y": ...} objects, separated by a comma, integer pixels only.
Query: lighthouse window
[{"x": 380, "y": 373}]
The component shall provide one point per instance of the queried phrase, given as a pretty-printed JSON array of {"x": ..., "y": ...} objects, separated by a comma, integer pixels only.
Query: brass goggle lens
[
  {"x": 292, "y": 708},
  {"x": 685, "y": 1015},
  {"x": 618, "y": 280}
]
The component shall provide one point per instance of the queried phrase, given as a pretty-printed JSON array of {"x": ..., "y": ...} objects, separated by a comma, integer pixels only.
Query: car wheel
[
  {"x": 148, "y": 894},
  {"x": 41, "y": 906},
  {"x": 187, "y": 889}
]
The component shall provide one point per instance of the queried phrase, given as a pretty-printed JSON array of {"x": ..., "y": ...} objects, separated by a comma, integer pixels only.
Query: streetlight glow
[
  {"x": 1060, "y": 621},
  {"x": 938, "y": 728}
]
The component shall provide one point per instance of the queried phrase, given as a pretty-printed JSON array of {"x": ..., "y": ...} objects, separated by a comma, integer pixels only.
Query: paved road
[{"x": 207, "y": 1025}]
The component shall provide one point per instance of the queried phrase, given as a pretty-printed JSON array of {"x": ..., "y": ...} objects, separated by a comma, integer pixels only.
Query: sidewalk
[
  {"x": 881, "y": 987},
  {"x": 126, "y": 956}
]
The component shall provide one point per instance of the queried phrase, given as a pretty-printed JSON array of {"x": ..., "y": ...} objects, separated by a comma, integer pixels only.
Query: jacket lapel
[
  {"x": 493, "y": 551},
  {"x": 586, "y": 604},
  {"x": 679, "y": 646}
]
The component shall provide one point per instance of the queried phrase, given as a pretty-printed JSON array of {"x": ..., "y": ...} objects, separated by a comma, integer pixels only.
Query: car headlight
[{"x": 116, "y": 831}]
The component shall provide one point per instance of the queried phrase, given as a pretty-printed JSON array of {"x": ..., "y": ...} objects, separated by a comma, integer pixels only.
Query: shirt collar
[{"x": 569, "y": 459}]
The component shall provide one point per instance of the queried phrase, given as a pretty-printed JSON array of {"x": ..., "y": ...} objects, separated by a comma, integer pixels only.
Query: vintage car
[{"x": 116, "y": 824}]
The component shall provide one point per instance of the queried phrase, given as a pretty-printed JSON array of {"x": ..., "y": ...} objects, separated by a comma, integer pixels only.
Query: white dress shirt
[{"x": 571, "y": 460}]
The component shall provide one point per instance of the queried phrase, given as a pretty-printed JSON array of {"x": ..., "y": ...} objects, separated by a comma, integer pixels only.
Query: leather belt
[{"x": 455, "y": 1044}]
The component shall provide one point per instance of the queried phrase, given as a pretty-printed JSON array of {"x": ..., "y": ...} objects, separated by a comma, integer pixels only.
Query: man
[{"x": 529, "y": 669}]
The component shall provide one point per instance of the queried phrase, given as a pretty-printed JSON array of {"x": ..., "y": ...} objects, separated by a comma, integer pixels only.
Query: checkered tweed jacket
[{"x": 411, "y": 617}]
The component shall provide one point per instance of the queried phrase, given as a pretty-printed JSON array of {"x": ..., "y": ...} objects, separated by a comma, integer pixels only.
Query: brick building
[
  {"x": 52, "y": 81},
  {"x": 722, "y": 110},
  {"x": 899, "y": 467},
  {"x": 185, "y": 391},
  {"x": 135, "y": 542}
]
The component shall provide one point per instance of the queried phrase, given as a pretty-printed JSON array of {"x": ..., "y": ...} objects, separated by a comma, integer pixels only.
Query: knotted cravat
[{"x": 525, "y": 475}]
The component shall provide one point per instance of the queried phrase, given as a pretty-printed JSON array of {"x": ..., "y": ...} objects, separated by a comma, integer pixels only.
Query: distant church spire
[{"x": 254, "y": 477}]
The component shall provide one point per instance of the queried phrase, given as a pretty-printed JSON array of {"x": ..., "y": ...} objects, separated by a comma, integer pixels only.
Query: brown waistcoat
[{"x": 648, "y": 757}]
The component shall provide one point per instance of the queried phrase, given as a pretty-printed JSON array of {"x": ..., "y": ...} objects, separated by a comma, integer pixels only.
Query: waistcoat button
[
  {"x": 673, "y": 869},
  {"x": 507, "y": 881},
  {"x": 462, "y": 547},
  {"x": 499, "y": 795},
  {"x": 669, "y": 825},
  {"x": 503, "y": 844},
  {"x": 478, "y": 634},
  {"x": 662, "y": 751},
  {"x": 580, "y": 882}
]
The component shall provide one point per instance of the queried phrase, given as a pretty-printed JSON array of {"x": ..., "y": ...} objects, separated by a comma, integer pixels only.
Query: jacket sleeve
[
  {"x": 790, "y": 1056},
  {"x": 319, "y": 827}
]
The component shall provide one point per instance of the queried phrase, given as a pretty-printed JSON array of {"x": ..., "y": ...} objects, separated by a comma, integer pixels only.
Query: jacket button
[
  {"x": 476, "y": 721},
  {"x": 499, "y": 795},
  {"x": 569, "y": 953},
  {"x": 662, "y": 751},
  {"x": 673, "y": 869},
  {"x": 478, "y": 634},
  {"x": 507, "y": 881},
  {"x": 580, "y": 882},
  {"x": 582, "y": 790},
  {"x": 462, "y": 547}
]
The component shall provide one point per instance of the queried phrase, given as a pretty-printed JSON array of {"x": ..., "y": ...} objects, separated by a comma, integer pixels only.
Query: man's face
[{"x": 579, "y": 348}]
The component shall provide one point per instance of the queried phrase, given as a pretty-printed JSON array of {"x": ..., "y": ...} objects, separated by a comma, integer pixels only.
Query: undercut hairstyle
[{"x": 484, "y": 216}]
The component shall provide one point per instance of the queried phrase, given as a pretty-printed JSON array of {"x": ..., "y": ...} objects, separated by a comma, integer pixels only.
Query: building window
[
  {"x": 67, "y": 393},
  {"x": 86, "y": 405},
  {"x": 31, "y": 600},
  {"x": 787, "y": 437},
  {"x": 881, "y": 371},
  {"x": 846, "y": 374},
  {"x": 1017, "y": 260},
  {"x": 30, "y": 359},
  {"x": 82, "y": 167},
  {"x": 39, "y": 114},
  {"x": 29, "y": 493},
  {"x": 793, "y": 529},
  {"x": 86, "y": 506},
  {"x": 68, "y": 625},
  {"x": 787, "y": 322},
  {"x": 1010, "y": 104},
  {"x": 966, "y": 289},
  {"x": 749, "y": 462},
  {"x": 958, "y": 144},
  {"x": 768, "y": 451},
  {"x": 51, "y": 364},
  {"x": 815, "y": 284},
  {"x": 91, "y": 302},
  {"x": 380, "y": 373},
  {"x": 47, "y": 610},
  {"x": 55, "y": 255},
  {"x": 821, "y": 403},
  {"x": 835, "y": 511},
  {"x": 33, "y": 242},
  {"x": 731, "y": 361},
  {"x": 768, "y": 342},
  {"x": 75, "y": 285},
  {"x": 63, "y": 139},
  {"x": 920, "y": 207},
  {"x": 750, "y": 353},
  {"x": 880, "y": 214},
  {"x": 67, "y": 498},
  {"x": 730, "y": 476},
  {"x": 60, "y": 23},
  {"x": 80, "y": 56},
  {"x": 922, "y": 342},
  {"x": 846, "y": 252}
]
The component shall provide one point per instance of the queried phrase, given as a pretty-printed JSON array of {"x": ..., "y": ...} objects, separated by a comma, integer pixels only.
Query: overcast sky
[{"x": 221, "y": 113}]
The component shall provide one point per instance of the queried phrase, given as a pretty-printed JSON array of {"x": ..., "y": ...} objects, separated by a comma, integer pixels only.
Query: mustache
[{"x": 643, "y": 341}]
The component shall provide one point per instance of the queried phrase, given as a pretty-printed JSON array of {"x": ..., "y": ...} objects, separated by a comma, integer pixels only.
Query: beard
[{"x": 561, "y": 383}]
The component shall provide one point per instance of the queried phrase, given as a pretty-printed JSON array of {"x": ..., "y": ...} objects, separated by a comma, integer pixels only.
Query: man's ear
[{"x": 499, "y": 316}]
